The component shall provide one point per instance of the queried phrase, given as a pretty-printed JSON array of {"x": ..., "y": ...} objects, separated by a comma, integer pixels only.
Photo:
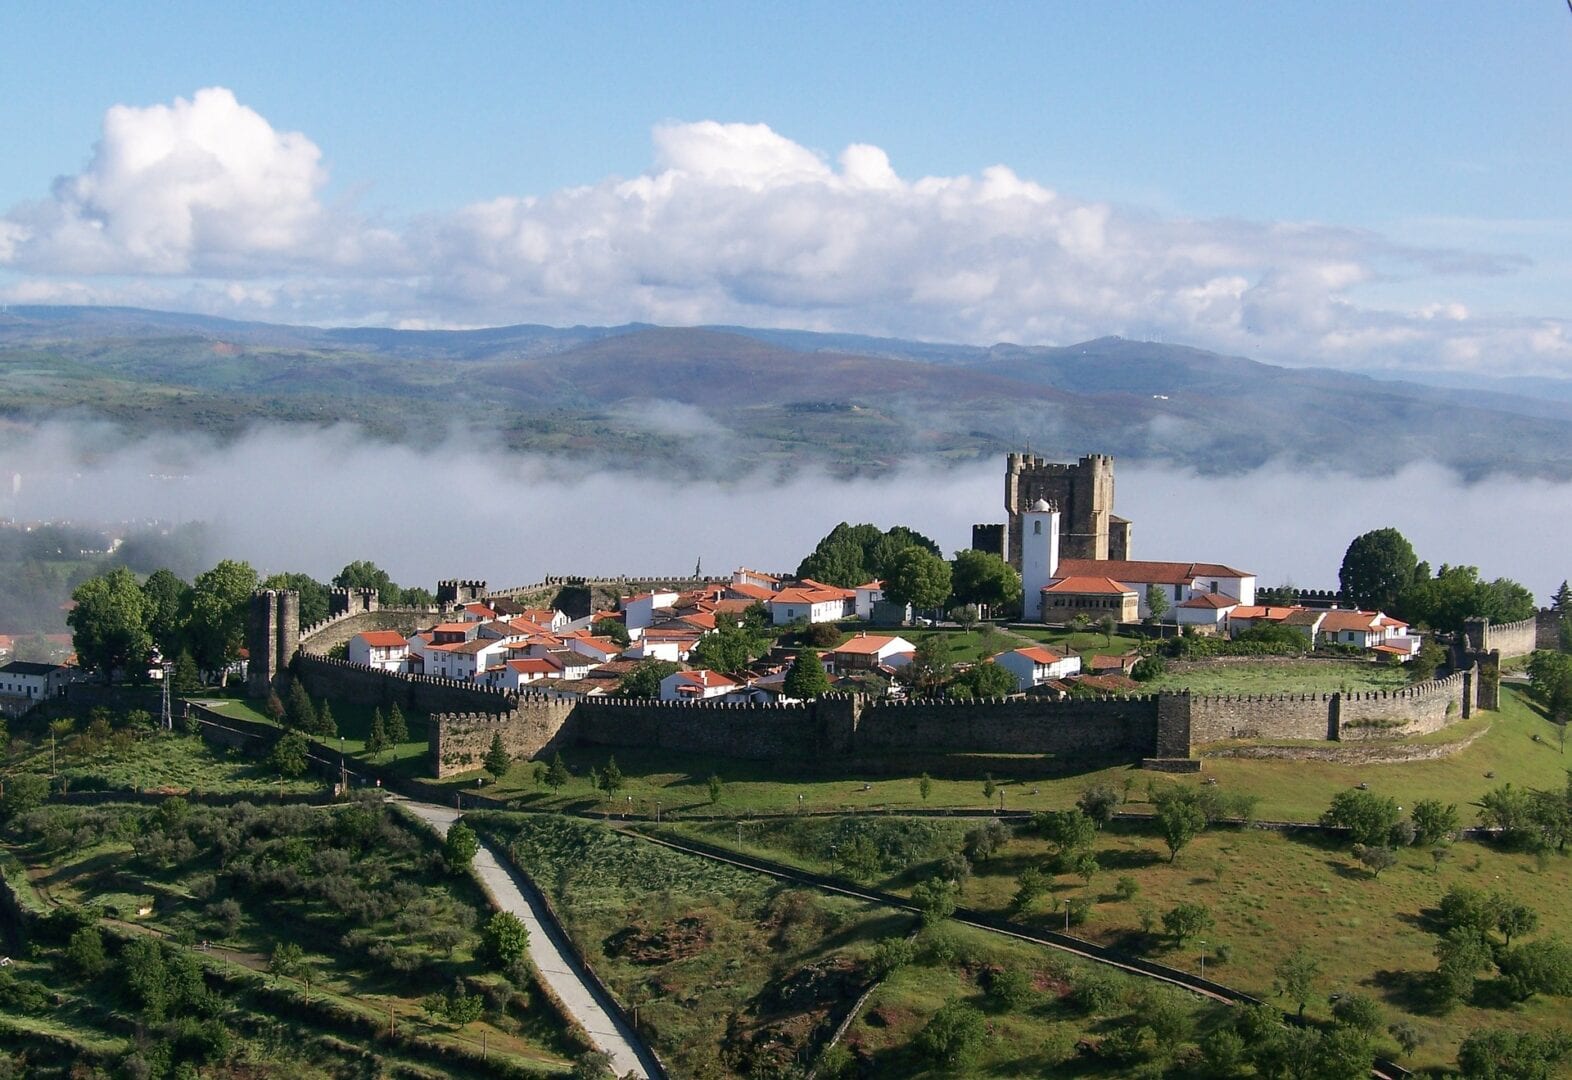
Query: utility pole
[{"x": 167, "y": 718}]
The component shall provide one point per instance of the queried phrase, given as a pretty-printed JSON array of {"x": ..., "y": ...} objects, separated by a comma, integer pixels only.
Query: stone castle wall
[
  {"x": 1508, "y": 639},
  {"x": 326, "y": 677},
  {"x": 1337, "y": 717},
  {"x": 1125, "y": 727},
  {"x": 539, "y": 725},
  {"x": 1261, "y": 716},
  {"x": 322, "y": 638}
]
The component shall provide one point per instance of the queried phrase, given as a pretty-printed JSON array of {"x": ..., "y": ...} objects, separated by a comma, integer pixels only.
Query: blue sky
[{"x": 1374, "y": 186}]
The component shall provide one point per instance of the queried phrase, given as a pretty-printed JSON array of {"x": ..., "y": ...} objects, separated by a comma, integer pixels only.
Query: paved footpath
[{"x": 547, "y": 950}]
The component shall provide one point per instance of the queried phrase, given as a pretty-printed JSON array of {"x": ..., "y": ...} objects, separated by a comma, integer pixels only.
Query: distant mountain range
[{"x": 718, "y": 399}]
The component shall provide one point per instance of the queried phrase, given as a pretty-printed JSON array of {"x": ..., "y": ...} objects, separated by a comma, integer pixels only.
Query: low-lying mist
[{"x": 296, "y": 498}]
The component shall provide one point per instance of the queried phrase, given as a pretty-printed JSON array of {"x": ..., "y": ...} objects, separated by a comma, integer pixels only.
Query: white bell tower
[{"x": 1039, "y": 556}]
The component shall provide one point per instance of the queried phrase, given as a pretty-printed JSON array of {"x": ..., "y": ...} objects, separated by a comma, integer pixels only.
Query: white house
[
  {"x": 34, "y": 682},
  {"x": 385, "y": 650},
  {"x": 549, "y": 618},
  {"x": 517, "y": 674},
  {"x": 696, "y": 685},
  {"x": 597, "y": 649},
  {"x": 1178, "y": 581},
  {"x": 743, "y": 576},
  {"x": 868, "y": 594},
  {"x": 810, "y": 602},
  {"x": 1035, "y": 665},
  {"x": 639, "y": 611},
  {"x": 1205, "y": 610},
  {"x": 1369, "y": 630},
  {"x": 662, "y": 645},
  {"x": 868, "y": 651},
  {"x": 465, "y": 659}
]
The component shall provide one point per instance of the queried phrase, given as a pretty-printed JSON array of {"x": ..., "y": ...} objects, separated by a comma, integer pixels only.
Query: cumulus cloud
[
  {"x": 200, "y": 185},
  {"x": 736, "y": 222},
  {"x": 513, "y": 520}
]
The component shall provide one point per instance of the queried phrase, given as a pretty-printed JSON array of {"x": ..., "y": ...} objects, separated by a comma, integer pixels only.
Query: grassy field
[
  {"x": 1282, "y": 677},
  {"x": 354, "y": 726},
  {"x": 380, "y": 921},
  {"x": 1037, "y": 1037},
  {"x": 158, "y": 761},
  {"x": 732, "y": 973},
  {"x": 1268, "y": 893}
]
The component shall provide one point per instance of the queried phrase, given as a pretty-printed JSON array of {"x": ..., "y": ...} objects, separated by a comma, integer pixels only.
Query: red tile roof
[
  {"x": 1349, "y": 620},
  {"x": 1089, "y": 585},
  {"x": 705, "y": 678},
  {"x": 1147, "y": 572},
  {"x": 382, "y": 639},
  {"x": 1214, "y": 601},
  {"x": 866, "y": 645},
  {"x": 1039, "y": 655}
]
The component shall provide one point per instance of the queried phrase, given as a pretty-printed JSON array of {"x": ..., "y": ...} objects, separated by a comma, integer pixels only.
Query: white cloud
[
  {"x": 737, "y": 223},
  {"x": 294, "y": 474}
]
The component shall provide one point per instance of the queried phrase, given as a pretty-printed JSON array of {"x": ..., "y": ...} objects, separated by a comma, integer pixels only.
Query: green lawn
[{"x": 1282, "y": 677}]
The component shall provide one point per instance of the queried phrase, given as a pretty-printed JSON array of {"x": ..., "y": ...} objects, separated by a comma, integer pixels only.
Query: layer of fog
[{"x": 301, "y": 499}]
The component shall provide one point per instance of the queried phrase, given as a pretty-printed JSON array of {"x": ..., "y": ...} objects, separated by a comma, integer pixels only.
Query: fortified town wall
[{"x": 852, "y": 731}]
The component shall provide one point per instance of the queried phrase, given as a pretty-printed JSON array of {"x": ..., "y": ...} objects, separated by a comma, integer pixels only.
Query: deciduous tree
[
  {"x": 216, "y": 616},
  {"x": 109, "y": 623},
  {"x": 504, "y": 939},
  {"x": 459, "y": 847},
  {"x": 984, "y": 579},
  {"x": 919, "y": 578},
  {"x": 1296, "y": 976}
]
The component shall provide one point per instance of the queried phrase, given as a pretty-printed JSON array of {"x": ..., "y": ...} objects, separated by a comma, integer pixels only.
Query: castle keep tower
[
  {"x": 1083, "y": 493},
  {"x": 272, "y": 636}
]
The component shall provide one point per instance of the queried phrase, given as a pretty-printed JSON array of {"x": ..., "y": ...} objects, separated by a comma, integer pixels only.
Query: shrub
[
  {"x": 1012, "y": 988},
  {"x": 892, "y": 954},
  {"x": 1095, "y": 992},
  {"x": 954, "y": 1036},
  {"x": 504, "y": 939}
]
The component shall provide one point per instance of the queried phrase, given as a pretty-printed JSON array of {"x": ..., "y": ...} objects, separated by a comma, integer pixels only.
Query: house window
[{"x": 1037, "y": 528}]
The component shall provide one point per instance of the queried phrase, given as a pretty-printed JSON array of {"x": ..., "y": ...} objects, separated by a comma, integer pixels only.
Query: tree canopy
[
  {"x": 645, "y": 679},
  {"x": 918, "y": 577},
  {"x": 216, "y": 615},
  {"x": 806, "y": 679},
  {"x": 1377, "y": 567},
  {"x": 109, "y": 622},
  {"x": 984, "y": 579},
  {"x": 1457, "y": 592},
  {"x": 852, "y": 554}
]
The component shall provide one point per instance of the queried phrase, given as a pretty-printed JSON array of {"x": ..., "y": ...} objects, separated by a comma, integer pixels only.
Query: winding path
[{"x": 549, "y": 951}]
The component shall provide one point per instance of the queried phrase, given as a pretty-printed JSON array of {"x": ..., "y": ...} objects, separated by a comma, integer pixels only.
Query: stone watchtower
[
  {"x": 272, "y": 636},
  {"x": 346, "y": 601},
  {"x": 452, "y": 593},
  {"x": 1084, "y": 495}
]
